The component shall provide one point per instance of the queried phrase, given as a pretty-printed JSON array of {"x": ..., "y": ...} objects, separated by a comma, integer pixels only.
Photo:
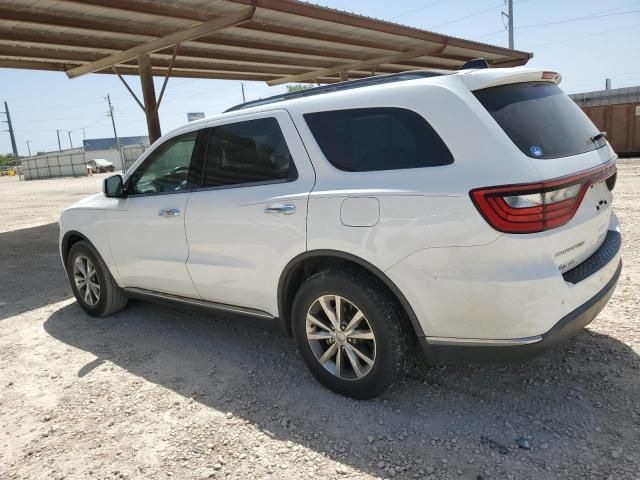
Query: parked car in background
[
  {"x": 468, "y": 212},
  {"x": 100, "y": 165},
  {"x": 8, "y": 171}
]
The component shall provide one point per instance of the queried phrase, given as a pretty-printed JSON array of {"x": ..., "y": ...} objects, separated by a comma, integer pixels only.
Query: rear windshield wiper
[{"x": 599, "y": 136}]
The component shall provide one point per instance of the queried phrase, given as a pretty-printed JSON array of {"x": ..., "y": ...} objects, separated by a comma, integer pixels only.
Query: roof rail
[{"x": 340, "y": 86}]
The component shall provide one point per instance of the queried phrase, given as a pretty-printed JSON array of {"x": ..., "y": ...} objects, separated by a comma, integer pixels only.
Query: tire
[
  {"x": 110, "y": 298},
  {"x": 389, "y": 352}
]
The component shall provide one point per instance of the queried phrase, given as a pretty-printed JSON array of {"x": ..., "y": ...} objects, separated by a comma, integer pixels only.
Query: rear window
[
  {"x": 371, "y": 139},
  {"x": 540, "y": 119}
]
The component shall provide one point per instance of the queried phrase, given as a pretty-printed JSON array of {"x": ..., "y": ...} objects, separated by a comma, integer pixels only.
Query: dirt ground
[{"x": 161, "y": 392}]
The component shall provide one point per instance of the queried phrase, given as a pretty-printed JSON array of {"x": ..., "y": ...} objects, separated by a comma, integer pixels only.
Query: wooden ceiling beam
[{"x": 185, "y": 35}]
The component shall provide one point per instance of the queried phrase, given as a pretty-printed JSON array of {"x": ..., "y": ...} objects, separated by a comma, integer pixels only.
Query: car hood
[{"x": 95, "y": 201}]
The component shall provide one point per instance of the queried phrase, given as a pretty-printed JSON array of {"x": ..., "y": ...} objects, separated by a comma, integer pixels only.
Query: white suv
[{"x": 468, "y": 212}]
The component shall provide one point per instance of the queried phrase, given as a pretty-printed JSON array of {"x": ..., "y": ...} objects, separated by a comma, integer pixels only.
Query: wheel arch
[
  {"x": 307, "y": 263},
  {"x": 69, "y": 239}
]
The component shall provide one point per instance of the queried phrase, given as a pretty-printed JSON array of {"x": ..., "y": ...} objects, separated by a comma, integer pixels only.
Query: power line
[
  {"x": 479, "y": 12},
  {"x": 37, "y": 110},
  {"x": 615, "y": 30},
  {"x": 486, "y": 35},
  {"x": 600, "y": 14},
  {"x": 102, "y": 117},
  {"x": 575, "y": 19},
  {"x": 418, "y": 9},
  {"x": 55, "y": 119}
]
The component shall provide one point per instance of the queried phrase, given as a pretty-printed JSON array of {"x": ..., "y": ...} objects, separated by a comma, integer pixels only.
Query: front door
[
  {"x": 146, "y": 229},
  {"x": 249, "y": 219}
]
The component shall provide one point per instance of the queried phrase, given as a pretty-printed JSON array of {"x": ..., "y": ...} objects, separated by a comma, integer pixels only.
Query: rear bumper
[{"x": 530, "y": 347}]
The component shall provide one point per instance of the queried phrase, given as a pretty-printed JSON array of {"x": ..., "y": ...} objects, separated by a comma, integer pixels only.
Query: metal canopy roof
[{"x": 276, "y": 41}]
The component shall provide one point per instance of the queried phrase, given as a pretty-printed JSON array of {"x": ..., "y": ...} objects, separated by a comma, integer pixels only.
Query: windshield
[{"x": 540, "y": 119}]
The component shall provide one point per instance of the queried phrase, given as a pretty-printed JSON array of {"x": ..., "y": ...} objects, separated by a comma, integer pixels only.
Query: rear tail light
[{"x": 535, "y": 207}]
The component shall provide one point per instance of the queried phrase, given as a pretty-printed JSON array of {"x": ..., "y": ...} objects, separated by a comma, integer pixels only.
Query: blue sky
[{"x": 585, "y": 51}]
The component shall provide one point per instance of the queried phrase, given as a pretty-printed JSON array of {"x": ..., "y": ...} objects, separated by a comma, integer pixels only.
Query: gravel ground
[{"x": 161, "y": 392}]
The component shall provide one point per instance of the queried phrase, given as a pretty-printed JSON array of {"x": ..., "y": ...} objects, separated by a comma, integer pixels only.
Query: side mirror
[{"x": 112, "y": 187}]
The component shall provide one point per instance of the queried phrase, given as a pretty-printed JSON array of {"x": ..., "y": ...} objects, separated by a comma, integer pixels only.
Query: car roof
[
  {"x": 341, "y": 86},
  {"x": 284, "y": 101}
]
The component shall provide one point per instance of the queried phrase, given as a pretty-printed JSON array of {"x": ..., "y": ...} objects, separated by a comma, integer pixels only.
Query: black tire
[
  {"x": 393, "y": 339},
  {"x": 112, "y": 298}
]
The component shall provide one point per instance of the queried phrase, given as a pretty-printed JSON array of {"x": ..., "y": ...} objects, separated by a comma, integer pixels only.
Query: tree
[{"x": 6, "y": 159}]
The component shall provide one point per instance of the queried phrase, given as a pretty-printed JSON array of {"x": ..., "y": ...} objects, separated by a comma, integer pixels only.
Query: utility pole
[
  {"x": 70, "y": 142},
  {"x": 243, "y": 97},
  {"x": 115, "y": 133},
  {"x": 11, "y": 134},
  {"x": 59, "y": 145},
  {"x": 509, "y": 17},
  {"x": 84, "y": 135},
  {"x": 29, "y": 147}
]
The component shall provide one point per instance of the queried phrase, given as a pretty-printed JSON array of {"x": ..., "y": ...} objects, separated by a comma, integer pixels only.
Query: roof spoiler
[{"x": 476, "y": 63}]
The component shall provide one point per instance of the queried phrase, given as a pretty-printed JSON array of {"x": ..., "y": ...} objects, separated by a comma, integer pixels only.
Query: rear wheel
[
  {"x": 351, "y": 333},
  {"x": 93, "y": 286}
]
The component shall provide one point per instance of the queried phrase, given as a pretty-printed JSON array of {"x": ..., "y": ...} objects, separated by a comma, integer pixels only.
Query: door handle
[
  {"x": 282, "y": 209},
  {"x": 169, "y": 212}
]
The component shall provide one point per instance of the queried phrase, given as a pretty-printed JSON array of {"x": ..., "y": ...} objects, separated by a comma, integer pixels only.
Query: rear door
[{"x": 249, "y": 219}]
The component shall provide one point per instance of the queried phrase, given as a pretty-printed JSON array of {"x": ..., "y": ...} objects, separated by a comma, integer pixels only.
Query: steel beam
[
  {"x": 359, "y": 65},
  {"x": 169, "y": 40},
  {"x": 149, "y": 96},
  {"x": 315, "y": 12}
]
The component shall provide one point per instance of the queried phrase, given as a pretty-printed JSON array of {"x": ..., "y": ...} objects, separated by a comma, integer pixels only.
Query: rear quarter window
[
  {"x": 372, "y": 139},
  {"x": 540, "y": 119}
]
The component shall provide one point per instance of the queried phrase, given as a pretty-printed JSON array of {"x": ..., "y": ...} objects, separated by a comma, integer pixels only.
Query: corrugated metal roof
[{"x": 281, "y": 39}]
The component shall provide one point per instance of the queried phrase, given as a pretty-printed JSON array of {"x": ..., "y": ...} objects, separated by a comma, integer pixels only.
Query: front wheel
[
  {"x": 351, "y": 333},
  {"x": 93, "y": 286}
]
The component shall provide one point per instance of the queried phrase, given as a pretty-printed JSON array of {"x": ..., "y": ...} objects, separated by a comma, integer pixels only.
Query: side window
[
  {"x": 167, "y": 169},
  {"x": 371, "y": 139},
  {"x": 248, "y": 152}
]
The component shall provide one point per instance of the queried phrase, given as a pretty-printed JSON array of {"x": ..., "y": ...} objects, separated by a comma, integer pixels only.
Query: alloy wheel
[
  {"x": 86, "y": 278},
  {"x": 341, "y": 337}
]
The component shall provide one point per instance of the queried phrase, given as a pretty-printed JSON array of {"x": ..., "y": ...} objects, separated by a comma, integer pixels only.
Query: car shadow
[
  {"x": 31, "y": 273},
  {"x": 572, "y": 394}
]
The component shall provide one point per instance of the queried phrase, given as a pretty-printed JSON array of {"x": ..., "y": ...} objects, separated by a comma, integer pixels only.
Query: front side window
[
  {"x": 248, "y": 152},
  {"x": 167, "y": 168},
  {"x": 371, "y": 139}
]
